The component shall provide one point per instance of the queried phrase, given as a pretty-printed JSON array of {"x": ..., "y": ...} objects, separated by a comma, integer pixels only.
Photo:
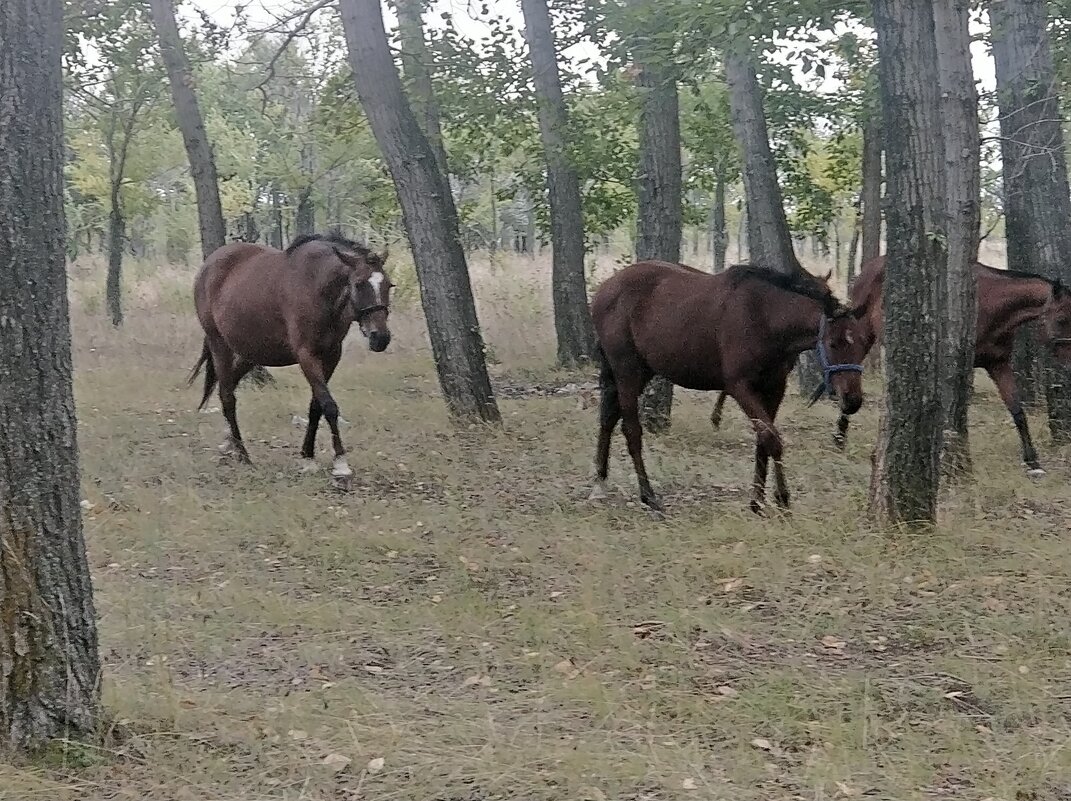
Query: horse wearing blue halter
[{"x": 828, "y": 369}]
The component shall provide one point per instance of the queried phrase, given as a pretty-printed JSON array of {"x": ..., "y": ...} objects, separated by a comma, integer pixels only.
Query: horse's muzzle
[
  {"x": 378, "y": 341},
  {"x": 850, "y": 403}
]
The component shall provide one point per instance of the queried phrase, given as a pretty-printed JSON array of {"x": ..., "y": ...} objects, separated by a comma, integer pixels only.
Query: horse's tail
[
  {"x": 210, "y": 373},
  {"x": 609, "y": 404}
]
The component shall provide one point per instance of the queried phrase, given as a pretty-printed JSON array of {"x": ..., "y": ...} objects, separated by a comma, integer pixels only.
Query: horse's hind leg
[
  {"x": 629, "y": 389},
  {"x": 715, "y": 416},
  {"x": 230, "y": 372},
  {"x": 609, "y": 415},
  {"x": 316, "y": 373},
  {"x": 1004, "y": 378}
]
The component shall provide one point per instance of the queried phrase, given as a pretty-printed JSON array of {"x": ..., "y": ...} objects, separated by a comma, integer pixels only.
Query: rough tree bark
[
  {"x": 963, "y": 181},
  {"x": 49, "y": 667},
  {"x": 416, "y": 69},
  {"x": 769, "y": 238},
  {"x": 118, "y": 145},
  {"x": 305, "y": 213},
  {"x": 768, "y": 234},
  {"x": 191, "y": 124},
  {"x": 871, "y": 192},
  {"x": 572, "y": 317},
  {"x": 719, "y": 236},
  {"x": 1037, "y": 199},
  {"x": 906, "y": 472},
  {"x": 660, "y": 217},
  {"x": 428, "y": 213}
]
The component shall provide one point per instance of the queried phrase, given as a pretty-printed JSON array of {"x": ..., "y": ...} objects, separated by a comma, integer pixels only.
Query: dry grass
[{"x": 465, "y": 626}]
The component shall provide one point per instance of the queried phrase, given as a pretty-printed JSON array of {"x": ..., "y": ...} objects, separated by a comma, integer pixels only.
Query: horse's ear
[
  {"x": 347, "y": 258},
  {"x": 383, "y": 256},
  {"x": 1058, "y": 290}
]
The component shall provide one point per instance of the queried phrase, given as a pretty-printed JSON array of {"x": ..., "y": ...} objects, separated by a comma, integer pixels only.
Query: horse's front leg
[
  {"x": 1004, "y": 378},
  {"x": 761, "y": 410},
  {"x": 715, "y": 416},
  {"x": 318, "y": 372}
]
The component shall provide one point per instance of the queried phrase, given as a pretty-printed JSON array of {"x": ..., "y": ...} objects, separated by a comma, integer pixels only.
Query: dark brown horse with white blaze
[
  {"x": 262, "y": 306},
  {"x": 738, "y": 331},
  {"x": 1007, "y": 300}
]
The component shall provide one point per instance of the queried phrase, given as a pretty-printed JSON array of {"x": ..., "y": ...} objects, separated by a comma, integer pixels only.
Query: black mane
[
  {"x": 333, "y": 237},
  {"x": 803, "y": 284},
  {"x": 1022, "y": 274}
]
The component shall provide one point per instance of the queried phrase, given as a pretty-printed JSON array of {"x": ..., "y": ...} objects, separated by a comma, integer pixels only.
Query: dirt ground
[{"x": 465, "y": 626}]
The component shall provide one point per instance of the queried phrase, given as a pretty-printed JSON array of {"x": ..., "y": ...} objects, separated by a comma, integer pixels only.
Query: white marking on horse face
[
  {"x": 848, "y": 336},
  {"x": 376, "y": 280}
]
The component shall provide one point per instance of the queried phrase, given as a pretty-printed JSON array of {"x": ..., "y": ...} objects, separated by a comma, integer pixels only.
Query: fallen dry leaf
[
  {"x": 688, "y": 784},
  {"x": 481, "y": 680},
  {"x": 567, "y": 668},
  {"x": 847, "y": 790},
  {"x": 375, "y": 765},
  {"x": 297, "y": 734},
  {"x": 732, "y": 584},
  {"x": 727, "y": 691},
  {"x": 336, "y": 762},
  {"x": 832, "y": 642},
  {"x": 762, "y": 744}
]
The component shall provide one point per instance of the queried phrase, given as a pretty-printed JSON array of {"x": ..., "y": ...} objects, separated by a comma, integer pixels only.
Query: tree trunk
[
  {"x": 719, "y": 238},
  {"x": 416, "y": 68},
  {"x": 1037, "y": 199},
  {"x": 871, "y": 193},
  {"x": 276, "y": 220},
  {"x": 853, "y": 245},
  {"x": 305, "y": 215},
  {"x": 572, "y": 317},
  {"x": 191, "y": 124},
  {"x": 906, "y": 472},
  {"x": 660, "y": 216},
  {"x": 49, "y": 666},
  {"x": 769, "y": 238},
  {"x": 428, "y": 213},
  {"x": 116, "y": 239},
  {"x": 959, "y": 121}
]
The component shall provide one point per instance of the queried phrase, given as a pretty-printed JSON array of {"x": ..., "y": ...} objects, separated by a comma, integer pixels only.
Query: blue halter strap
[{"x": 828, "y": 369}]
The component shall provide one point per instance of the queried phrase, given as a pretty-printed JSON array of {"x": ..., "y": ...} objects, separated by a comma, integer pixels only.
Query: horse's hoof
[
  {"x": 758, "y": 508},
  {"x": 1035, "y": 472},
  {"x": 308, "y": 465},
  {"x": 342, "y": 483},
  {"x": 341, "y": 469},
  {"x": 656, "y": 514},
  {"x": 652, "y": 503},
  {"x": 715, "y": 421},
  {"x": 226, "y": 448},
  {"x": 598, "y": 492},
  {"x": 839, "y": 441}
]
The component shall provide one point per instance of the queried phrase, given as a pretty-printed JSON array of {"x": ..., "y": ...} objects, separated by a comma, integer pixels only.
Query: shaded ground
[{"x": 465, "y": 626}]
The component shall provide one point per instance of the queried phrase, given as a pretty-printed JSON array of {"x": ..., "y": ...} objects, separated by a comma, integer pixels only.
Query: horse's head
[
  {"x": 371, "y": 299},
  {"x": 1056, "y": 322},
  {"x": 841, "y": 348}
]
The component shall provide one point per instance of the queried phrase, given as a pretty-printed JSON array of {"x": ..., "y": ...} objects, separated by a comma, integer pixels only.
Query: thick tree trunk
[
  {"x": 416, "y": 69},
  {"x": 768, "y": 234},
  {"x": 49, "y": 667},
  {"x": 428, "y": 213},
  {"x": 769, "y": 238},
  {"x": 719, "y": 236},
  {"x": 116, "y": 240},
  {"x": 660, "y": 216},
  {"x": 191, "y": 124},
  {"x": 959, "y": 121},
  {"x": 906, "y": 472},
  {"x": 871, "y": 192},
  {"x": 572, "y": 317},
  {"x": 1037, "y": 199}
]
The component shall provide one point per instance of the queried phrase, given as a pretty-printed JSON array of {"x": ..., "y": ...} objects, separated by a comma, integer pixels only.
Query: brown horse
[
  {"x": 739, "y": 331},
  {"x": 1007, "y": 299},
  {"x": 262, "y": 306}
]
